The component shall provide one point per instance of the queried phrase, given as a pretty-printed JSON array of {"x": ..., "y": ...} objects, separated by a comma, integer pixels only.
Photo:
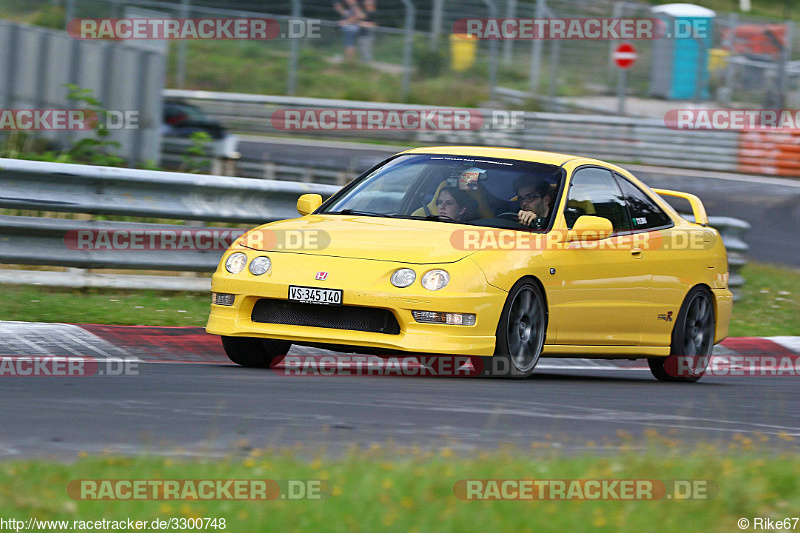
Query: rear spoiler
[{"x": 700, "y": 216}]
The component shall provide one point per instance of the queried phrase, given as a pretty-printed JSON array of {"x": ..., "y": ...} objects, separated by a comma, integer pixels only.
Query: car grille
[{"x": 271, "y": 311}]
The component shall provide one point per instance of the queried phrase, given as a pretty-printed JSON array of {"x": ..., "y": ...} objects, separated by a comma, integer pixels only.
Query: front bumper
[{"x": 365, "y": 283}]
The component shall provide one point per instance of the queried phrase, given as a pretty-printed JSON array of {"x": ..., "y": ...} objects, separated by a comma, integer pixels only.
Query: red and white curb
[{"x": 156, "y": 344}]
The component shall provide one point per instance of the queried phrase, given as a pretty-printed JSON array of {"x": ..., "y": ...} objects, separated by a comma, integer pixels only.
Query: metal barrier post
[
  {"x": 536, "y": 54},
  {"x": 436, "y": 23},
  {"x": 294, "y": 46},
  {"x": 508, "y": 46},
  {"x": 180, "y": 77},
  {"x": 408, "y": 48},
  {"x": 492, "y": 7}
]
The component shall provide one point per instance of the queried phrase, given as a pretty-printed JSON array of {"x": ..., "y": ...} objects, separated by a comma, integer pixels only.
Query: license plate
[{"x": 313, "y": 295}]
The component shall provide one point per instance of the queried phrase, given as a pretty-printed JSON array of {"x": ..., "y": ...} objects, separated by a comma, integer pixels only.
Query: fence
[
  {"x": 411, "y": 41},
  {"x": 56, "y": 187},
  {"x": 35, "y": 63}
]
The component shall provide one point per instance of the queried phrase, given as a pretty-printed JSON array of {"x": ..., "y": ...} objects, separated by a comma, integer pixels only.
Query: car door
[
  {"x": 652, "y": 228},
  {"x": 604, "y": 283}
]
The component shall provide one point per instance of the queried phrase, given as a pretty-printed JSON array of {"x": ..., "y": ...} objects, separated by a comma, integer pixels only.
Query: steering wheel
[{"x": 509, "y": 215}]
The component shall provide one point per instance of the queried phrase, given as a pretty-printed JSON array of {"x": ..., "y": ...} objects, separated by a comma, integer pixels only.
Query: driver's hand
[{"x": 526, "y": 217}]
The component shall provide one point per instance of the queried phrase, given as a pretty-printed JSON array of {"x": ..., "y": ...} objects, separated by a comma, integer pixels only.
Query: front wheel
[
  {"x": 254, "y": 352},
  {"x": 520, "y": 333},
  {"x": 692, "y": 340}
]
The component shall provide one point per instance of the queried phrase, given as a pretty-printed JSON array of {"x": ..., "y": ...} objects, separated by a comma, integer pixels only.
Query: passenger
[
  {"x": 533, "y": 195},
  {"x": 456, "y": 204}
]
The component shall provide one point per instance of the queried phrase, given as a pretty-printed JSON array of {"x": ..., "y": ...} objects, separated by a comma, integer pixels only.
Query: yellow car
[{"x": 500, "y": 254}]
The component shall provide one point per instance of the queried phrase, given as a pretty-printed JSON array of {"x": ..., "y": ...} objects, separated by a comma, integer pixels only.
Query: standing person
[
  {"x": 367, "y": 35},
  {"x": 351, "y": 17}
]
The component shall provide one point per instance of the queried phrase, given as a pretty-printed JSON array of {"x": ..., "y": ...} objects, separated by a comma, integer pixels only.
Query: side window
[
  {"x": 594, "y": 191},
  {"x": 645, "y": 213}
]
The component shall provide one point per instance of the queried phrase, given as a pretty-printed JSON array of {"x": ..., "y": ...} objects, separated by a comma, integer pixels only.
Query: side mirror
[
  {"x": 308, "y": 203},
  {"x": 590, "y": 228}
]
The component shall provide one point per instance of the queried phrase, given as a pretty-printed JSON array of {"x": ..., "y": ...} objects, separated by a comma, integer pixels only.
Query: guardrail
[
  {"x": 618, "y": 138},
  {"x": 64, "y": 188},
  {"x": 639, "y": 140},
  {"x": 56, "y": 187}
]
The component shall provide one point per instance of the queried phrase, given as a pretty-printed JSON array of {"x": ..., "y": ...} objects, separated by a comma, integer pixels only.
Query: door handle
[{"x": 637, "y": 253}]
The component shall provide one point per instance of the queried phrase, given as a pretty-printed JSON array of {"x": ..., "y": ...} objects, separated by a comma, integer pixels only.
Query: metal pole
[
  {"x": 69, "y": 11},
  {"x": 536, "y": 53},
  {"x": 408, "y": 50},
  {"x": 492, "y": 8},
  {"x": 294, "y": 47},
  {"x": 622, "y": 80},
  {"x": 616, "y": 14},
  {"x": 730, "y": 69},
  {"x": 436, "y": 23},
  {"x": 508, "y": 45},
  {"x": 552, "y": 82},
  {"x": 180, "y": 80},
  {"x": 701, "y": 78}
]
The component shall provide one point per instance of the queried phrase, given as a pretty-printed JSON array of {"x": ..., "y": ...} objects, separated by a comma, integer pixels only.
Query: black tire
[
  {"x": 692, "y": 340},
  {"x": 520, "y": 334},
  {"x": 254, "y": 352}
]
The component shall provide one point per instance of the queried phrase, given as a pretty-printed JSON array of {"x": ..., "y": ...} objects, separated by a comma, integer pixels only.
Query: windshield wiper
[
  {"x": 358, "y": 213},
  {"x": 437, "y": 218}
]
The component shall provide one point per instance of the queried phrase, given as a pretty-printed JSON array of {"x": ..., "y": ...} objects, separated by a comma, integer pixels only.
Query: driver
[{"x": 533, "y": 197}]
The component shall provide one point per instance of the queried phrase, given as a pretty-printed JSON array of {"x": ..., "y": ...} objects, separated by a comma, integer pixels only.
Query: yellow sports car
[{"x": 504, "y": 255}]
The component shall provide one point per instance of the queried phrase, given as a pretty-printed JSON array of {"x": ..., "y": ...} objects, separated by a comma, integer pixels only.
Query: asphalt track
[
  {"x": 204, "y": 406},
  {"x": 770, "y": 205}
]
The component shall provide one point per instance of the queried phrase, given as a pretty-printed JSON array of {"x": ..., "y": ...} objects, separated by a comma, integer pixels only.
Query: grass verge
[
  {"x": 406, "y": 491},
  {"x": 770, "y": 305}
]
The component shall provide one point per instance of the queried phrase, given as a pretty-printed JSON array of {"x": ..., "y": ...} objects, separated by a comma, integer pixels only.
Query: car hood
[{"x": 360, "y": 237}]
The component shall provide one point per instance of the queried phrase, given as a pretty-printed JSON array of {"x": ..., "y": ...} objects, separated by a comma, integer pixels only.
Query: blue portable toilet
[{"x": 679, "y": 61}]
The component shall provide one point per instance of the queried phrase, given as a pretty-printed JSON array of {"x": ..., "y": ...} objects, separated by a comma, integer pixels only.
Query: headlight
[
  {"x": 236, "y": 263},
  {"x": 403, "y": 277},
  {"x": 433, "y": 280},
  {"x": 260, "y": 265}
]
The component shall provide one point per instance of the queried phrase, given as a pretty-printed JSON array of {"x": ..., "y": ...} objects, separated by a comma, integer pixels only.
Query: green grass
[
  {"x": 770, "y": 306},
  {"x": 402, "y": 489},
  {"x": 94, "y": 306}
]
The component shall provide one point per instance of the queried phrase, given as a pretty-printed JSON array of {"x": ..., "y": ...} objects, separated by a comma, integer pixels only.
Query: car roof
[{"x": 536, "y": 156}]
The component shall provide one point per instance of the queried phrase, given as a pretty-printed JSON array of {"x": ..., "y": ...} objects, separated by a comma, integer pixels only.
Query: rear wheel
[
  {"x": 520, "y": 333},
  {"x": 254, "y": 352},
  {"x": 692, "y": 340}
]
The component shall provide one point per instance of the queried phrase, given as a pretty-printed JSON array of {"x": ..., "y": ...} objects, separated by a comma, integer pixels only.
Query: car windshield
[{"x": 452, "y": 188}]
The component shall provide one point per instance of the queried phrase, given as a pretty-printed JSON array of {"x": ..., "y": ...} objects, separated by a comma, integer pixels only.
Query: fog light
[
  {"x": 432, "y": 317},
  {"x": 220, "y": 298}
]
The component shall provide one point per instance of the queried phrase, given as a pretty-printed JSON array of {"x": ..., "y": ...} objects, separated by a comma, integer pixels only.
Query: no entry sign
[{"x": 625, "y": 55}]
